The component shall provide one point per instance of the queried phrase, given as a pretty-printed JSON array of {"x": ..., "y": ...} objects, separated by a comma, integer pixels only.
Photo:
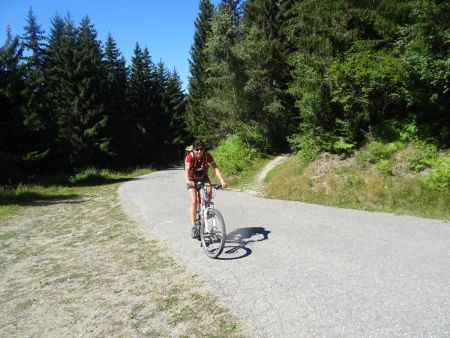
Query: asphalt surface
[{"x": 292, "y": 269}]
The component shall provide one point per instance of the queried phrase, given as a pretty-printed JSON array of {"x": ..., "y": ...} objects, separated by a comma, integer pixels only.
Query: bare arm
[
  {"x": 218, "y": 174},
  {"x": 187, "y": 166}
]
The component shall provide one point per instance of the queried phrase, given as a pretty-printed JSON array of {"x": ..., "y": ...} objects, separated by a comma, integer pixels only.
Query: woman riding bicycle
[{"x": 197, "y": 163}]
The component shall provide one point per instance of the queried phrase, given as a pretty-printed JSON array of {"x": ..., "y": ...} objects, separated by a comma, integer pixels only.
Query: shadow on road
[{"x": 236, "y": 245}]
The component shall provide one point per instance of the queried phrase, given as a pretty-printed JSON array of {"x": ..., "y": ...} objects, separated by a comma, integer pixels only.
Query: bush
[
  {"x": 306, "y": 147},
  {"x": 377, "y": 151},
  {"x": 233, "y": 155},
  {"x": 255, "y": 138},
  {"x": 439, "y": 179},
  {"x": 422, "y": 156},
  {"x": 89, "y": 176},
  {"x": 341, "y": 146}
]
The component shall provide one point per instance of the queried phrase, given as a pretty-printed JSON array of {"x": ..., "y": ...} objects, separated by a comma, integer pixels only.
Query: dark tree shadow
[
  {"x": 236, "y": 245},
  {"x": 37, "y": 199},
  {"x": 100, "y": 180}
]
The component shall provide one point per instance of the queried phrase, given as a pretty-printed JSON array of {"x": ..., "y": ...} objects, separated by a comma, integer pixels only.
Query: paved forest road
[{"x": 291, "y": 269}]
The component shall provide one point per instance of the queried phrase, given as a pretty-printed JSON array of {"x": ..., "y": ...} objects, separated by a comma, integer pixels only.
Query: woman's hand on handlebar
[{"x": 223, "y": 183}]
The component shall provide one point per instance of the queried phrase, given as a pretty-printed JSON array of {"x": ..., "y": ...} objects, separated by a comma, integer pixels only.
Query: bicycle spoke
[{"x": 213, "y": 234}]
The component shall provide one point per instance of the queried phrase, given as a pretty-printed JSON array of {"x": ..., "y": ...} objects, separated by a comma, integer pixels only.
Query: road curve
[{"x": 292, "y": 269}]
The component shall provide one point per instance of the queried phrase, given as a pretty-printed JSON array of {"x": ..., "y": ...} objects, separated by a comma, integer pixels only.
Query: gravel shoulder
[{"x": 292, "y": 269}]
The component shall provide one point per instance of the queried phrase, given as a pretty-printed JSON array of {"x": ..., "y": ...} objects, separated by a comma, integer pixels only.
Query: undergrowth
[{"x": 410, "y": 178}]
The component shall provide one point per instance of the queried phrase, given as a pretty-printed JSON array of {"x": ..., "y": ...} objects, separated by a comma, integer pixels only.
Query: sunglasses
[{"x": 198, "y": 149}]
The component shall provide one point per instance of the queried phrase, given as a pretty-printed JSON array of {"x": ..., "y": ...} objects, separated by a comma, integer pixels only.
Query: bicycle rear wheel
[{"x": 213, "y": 233}]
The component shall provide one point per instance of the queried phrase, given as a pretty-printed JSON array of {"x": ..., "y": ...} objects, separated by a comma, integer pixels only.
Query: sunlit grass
[{"x": 351, "y": 187}]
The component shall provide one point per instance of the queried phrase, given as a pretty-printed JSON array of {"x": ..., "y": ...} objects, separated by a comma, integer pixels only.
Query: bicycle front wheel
[{"x": 213, "y": 233}]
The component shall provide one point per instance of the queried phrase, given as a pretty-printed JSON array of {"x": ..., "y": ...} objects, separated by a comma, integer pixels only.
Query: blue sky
[{"x": 165, "y": 27}]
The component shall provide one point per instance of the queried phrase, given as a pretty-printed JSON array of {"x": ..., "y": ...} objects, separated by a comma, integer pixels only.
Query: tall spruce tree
[
  {"x": 11, "y": 103},
  {"x": 316, "y": 31},
  {"x": 161, "y": 117},
  {"x": 263, "y": 49},
  {"x": 37, "y": 121},
  {"x": 141, "y": 103},
  {"x": 197, "y": 87},
  {"x": 62, "y": 82},
  {"x": 90, "y": 100},
  {"x": 176, "y": 106},
  {"x": 226, "y": 78},
  {"x": 120, "y": 122}
]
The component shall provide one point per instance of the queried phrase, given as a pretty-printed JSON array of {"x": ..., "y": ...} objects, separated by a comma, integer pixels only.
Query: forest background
[{"x": 266, "y": 76}]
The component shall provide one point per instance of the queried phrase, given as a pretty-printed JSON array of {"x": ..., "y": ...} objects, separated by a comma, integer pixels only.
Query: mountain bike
[{"x": 209, "y": 220}]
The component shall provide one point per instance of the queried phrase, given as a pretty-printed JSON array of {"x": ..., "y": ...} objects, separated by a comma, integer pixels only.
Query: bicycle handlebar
[{"x": 200, "y": 185}]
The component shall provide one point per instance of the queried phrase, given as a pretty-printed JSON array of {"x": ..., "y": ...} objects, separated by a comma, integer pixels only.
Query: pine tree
[
  {"x": 120, "y": 122},
  {"x": 161, "y": 118},
  {"x": 176, "y": 107},
  {"x": 224, "y": 107},
  {"x": 141, "y": 102},
  {"x": 197, "y": 87},
  {"x": 75, "y": 75},
  {"x": 234, "y": 7},
  {"x": 37, "y": 120},
  {"x": 316, "y": 31},
  {"x": 265, "y": 54},
  {"x": 61, "y": 80},
  {"x": 11, "y": 106},
  {"x": 88, "y": 106}
]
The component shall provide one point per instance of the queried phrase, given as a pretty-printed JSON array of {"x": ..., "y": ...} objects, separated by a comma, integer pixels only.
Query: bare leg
[{"x": 192, "y": 204}]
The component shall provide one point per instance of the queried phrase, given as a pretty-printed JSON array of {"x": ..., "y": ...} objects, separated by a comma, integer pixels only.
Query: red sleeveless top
[{"x": 199, "y": 167}]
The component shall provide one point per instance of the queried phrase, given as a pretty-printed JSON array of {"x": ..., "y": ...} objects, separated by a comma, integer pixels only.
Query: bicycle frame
[
  {"x": 209, "y": 220},
  {"x": 204, "y": 200}
]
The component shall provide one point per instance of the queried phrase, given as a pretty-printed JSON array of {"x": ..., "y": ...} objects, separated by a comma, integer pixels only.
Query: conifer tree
[
  {"x": 141, "y": 103},
  {"x": 120, "y": 122},
  {"x": 265, "y": 54},
  {"x": 197, "y": 87},
  {"x": 89, "y": 103},
  {"x": 37, "y": 120},
  {"x": 60, "y": 66},
  {"x": 161, "y": 117},
  {"x": 176, "y": 106},
  {"x": 11, "y": 103},
  {"x": 226, "y": 77}
]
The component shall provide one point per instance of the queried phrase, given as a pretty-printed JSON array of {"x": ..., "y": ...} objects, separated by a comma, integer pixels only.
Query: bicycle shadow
[{"x": 236, "y": 244}]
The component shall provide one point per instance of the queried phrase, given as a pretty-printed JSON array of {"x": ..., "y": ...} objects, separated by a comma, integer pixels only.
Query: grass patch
[
  {"x": 86, "y": 269},
  {"x": 59, "y": 188},
  {"x": 368, "y": 182},
  {"x": 247, "y": 176}
]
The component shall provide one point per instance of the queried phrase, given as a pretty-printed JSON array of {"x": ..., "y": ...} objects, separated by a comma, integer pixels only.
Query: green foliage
[
  {"x": 385, "y": 167},
  {"x": 377, "y": 152},
  {"x": 341, "y": 146},
  {"x": 346, "y": 184},
  {"x": 369, "y": 88},
  {"x": 89, "y": 176},
  {"x": 422, "y": 156},
  {"x": 268, "y": 71},
  {"x": 234, "y": 155},
  {"x": 439, "y": 178},
  {"x": 306, "y": 147}
]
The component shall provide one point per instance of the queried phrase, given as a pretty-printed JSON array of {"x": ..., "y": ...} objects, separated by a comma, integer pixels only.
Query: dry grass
[
  {"x": 335, "y": 182},
  {"x": 79, "y": 267}
]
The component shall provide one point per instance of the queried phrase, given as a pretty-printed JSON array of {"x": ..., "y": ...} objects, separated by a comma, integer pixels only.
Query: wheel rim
[{"x": 213, "y": 235}]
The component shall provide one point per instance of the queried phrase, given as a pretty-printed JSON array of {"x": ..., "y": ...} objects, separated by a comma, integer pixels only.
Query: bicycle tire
[{"x": 213, "y": 233}]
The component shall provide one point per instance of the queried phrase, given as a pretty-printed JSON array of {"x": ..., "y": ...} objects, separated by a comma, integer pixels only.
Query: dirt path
[
  {"x": 81, "y": 268},
  {"x": 255, "y": 187}
]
